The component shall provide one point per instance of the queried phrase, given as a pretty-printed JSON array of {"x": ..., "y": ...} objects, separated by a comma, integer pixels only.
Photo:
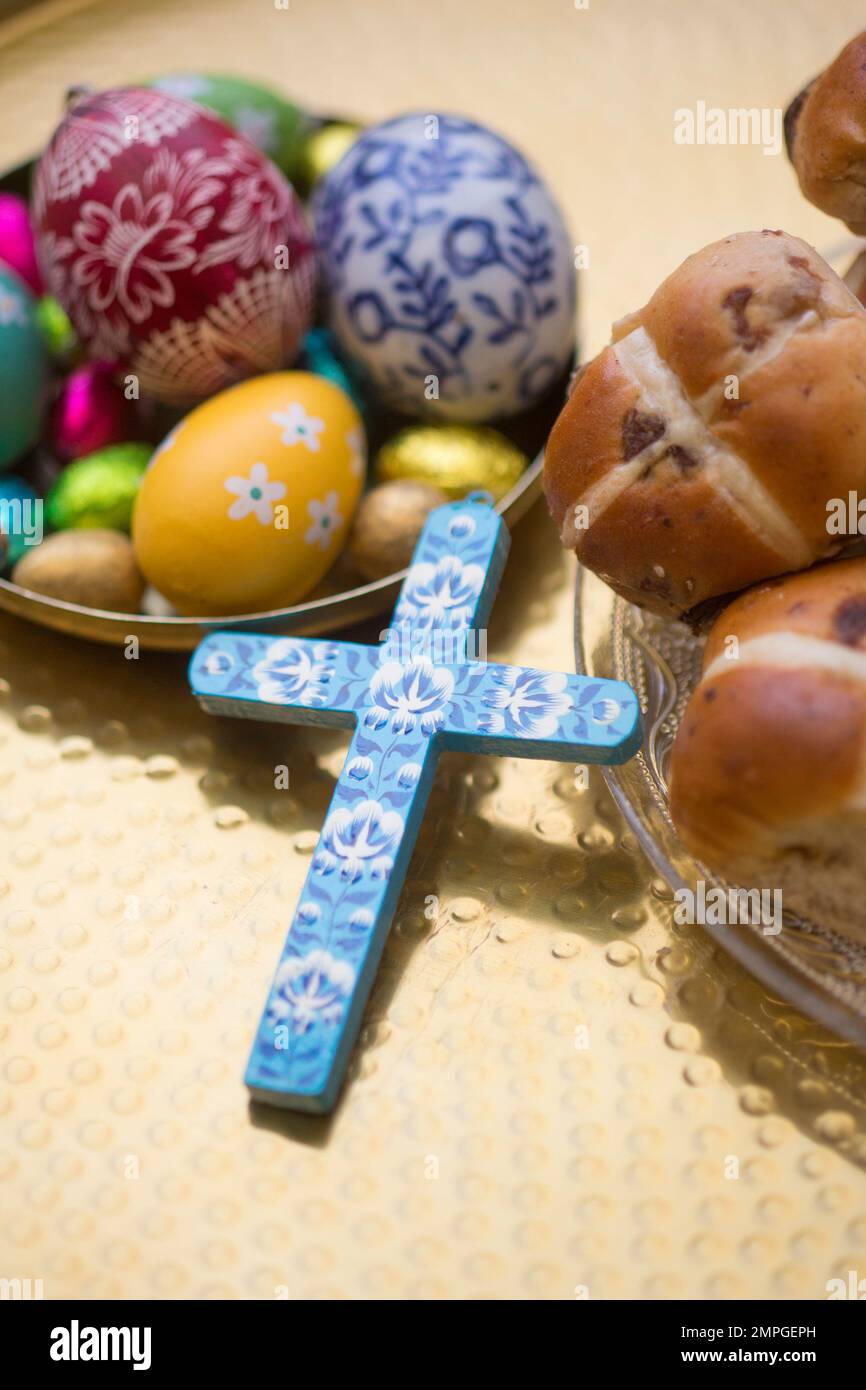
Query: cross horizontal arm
[
  {"x": 514, "y": 711},
  {"x": 288, "y": 679}
]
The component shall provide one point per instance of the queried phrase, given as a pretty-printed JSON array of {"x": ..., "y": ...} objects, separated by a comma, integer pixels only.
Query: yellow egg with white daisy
[{"x": 247, "y": 502}]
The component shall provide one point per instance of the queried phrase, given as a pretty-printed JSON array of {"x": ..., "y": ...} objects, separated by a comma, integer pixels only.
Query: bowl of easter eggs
[{"x": 244, "y": 351}]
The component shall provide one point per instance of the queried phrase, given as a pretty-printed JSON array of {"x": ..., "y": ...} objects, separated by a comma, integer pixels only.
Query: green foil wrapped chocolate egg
[
  {"x": 456, "y": 458},
  {"x": 273, "y": 124},
  {"x": 99, "y": 490},
  {"x": 60, "y": 337}
]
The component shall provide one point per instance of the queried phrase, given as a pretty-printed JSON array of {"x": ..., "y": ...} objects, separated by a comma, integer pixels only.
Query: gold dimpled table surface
[{"x": 558, "y": 1092}]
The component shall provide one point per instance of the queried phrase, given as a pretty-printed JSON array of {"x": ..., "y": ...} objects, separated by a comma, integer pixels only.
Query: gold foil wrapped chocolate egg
[
  {"x": 322, "y": 149},
  {"x": 456, "y": 458},
  {"x": 387, "y": 525}
]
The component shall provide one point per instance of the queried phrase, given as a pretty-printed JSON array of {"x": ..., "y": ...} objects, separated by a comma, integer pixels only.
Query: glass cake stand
[{"x": 816, "y": 970}]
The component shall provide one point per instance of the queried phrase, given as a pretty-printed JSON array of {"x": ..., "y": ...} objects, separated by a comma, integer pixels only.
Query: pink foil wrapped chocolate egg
[
  {"x": 17, "y": 247},
  {"x": 90, "y": 412},
  {"x": 179, "y": 251}
]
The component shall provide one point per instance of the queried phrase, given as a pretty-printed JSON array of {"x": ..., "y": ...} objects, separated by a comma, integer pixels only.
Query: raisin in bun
[
  {"x": 768, "y": 769},
  {"x": 697, "y": 453},
  {"x": 825, "y": 132}
]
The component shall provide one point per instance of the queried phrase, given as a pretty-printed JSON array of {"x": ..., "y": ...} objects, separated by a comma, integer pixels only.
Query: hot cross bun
[
  {"x": 768, "y": 769},
  {"x": 825, "y": 132},
  {"x": 697, "y": 454}
]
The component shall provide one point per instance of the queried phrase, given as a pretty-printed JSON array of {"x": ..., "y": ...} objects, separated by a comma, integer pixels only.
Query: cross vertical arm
[
  {"x": 450, "y": 586},
  {"x": 317, "y": 998}
]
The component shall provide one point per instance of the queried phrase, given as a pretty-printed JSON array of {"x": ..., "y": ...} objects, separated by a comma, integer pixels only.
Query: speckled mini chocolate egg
[
  {"x": 23, "y": 369},
  {"x": 179, "y": 251},
  {"x": 95, "y": 569},
  {"x": 449, "y": 268},
  {"x": 246, "y": 504},
  {"x": 388, "y": 524}
]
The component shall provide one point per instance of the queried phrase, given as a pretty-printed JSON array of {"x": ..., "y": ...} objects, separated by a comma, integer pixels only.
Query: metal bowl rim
[{"x": 183, "y": 624}]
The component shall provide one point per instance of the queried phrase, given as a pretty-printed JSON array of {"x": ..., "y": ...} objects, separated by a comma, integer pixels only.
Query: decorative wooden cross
[{"x": 423, "y": 691}]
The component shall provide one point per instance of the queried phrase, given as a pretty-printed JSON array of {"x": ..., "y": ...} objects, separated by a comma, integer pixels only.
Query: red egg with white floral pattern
[{"x": 179, "y": 251}]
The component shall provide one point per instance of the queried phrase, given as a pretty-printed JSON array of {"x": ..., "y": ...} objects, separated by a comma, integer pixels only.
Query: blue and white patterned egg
[
  {"x": 23, "y": 369},
  {"x": 449, "y": 268}
]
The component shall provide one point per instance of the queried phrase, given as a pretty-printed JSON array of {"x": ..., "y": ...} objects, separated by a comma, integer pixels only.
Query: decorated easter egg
[
  {"x": 90, "y": 412},
  {"x": 20, "y": 518},
  {"x": 274, "y": 125},
  {"x": 246, "y": 504},
  {"x": 456, "y": 458},
  {"x": 180, "y": 253},
  {"x": 449, "y": 268},
  {"x": 98, "y": 490},
  {"x": 17, "y": 248},
  {"x": 23, "y": 368}
]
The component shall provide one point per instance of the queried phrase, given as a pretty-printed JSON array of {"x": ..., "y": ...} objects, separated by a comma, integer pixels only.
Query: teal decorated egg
[
  {"x": 319, "y": 354},
  {"x": 20, "y": 518},
  {"x": 274, "y": 125},
  {"x": 23, "y": 369}
]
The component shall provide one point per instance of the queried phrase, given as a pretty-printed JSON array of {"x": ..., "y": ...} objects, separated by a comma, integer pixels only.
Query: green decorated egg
[{"x": 274, "y": 125}]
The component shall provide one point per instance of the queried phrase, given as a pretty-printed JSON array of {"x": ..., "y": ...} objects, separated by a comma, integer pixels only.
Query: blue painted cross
[{"x": 423, "y": 691}]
